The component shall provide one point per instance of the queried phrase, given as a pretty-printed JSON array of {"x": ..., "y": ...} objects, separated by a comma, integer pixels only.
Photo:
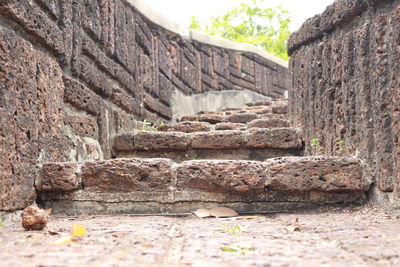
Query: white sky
[{"x": 181, "y": 10}]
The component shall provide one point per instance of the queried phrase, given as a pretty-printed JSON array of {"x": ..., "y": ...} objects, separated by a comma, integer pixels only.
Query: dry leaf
[
  {"x": 63, "y": 241},
  {"x": 77, "y": 230},
  {"x": 222, "y": 212},
  {"x": 202, "y": 213}
]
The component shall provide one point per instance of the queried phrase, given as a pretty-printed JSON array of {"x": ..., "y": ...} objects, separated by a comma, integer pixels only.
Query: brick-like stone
[
  {"x": 281, "y": 109},
  {"x": 186, "y": 127},
  {"x": 229, "y": 126},
  {"x": 242, "y": 117},
  {"x": 124, "y": 142},
  {"x": 217, "y": 139},
  {"x": 332, "y": 174},
  {"x": 60, "y": 177},
  {"x": 224, "y": 176},
  {"x": 280, "y": 138},
  {"x": 268, "y": 123},
  {"x": 210, "y": 118},
  {"x": 155, "y": 141},
  {"x": 127, "y": 175}
]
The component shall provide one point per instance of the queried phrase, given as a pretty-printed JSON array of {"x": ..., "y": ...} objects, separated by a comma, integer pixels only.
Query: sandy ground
[{"x": 362, "y": 237}]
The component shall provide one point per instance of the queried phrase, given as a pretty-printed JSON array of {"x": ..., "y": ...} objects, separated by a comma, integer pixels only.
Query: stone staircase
[{"x": 247, "y": 159}]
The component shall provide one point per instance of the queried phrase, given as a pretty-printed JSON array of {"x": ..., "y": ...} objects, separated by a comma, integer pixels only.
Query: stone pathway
[{"x": 349, "y": 237}]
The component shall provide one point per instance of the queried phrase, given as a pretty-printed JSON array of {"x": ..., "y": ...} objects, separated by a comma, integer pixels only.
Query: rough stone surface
[
  {"x": 229, "y": 126},
  {"x": 284, "y": 138},
  {"x": 315, "y": 174},
  {"x": 59, "y": 177},
  {"x": 217, "y": 139},
  {"x": 210, "y": 118},
  {"x": 235, "y": 177},
  {"x": 187, "y": 127},
  {"x": 127, "y": 175},
  {"x": 346, "y": 237},
  {"x": 268, "y": 123},
  {"x": 76, "y": 73},
  {"x": 160, "y": 141},
  {"x": 346, "y": 88},
  {"x": 242, "y": 118},
  {"x": 31, "y": 94}
]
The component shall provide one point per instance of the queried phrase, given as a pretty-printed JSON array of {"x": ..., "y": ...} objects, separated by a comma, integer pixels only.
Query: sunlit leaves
[{"x": 267, "y": 28}]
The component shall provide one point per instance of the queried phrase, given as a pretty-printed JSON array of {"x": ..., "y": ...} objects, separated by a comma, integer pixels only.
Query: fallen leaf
[
  {"x": 238, "y": 248},
  {"x": 77, "y": 230},
  {"x": 63, "y": 241},
  {"x": 202, "y": 213},
  {"x": 222, "y": 212}
]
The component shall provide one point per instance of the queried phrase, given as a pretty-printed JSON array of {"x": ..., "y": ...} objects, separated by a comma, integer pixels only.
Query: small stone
[{"x": 34, "y": 218}]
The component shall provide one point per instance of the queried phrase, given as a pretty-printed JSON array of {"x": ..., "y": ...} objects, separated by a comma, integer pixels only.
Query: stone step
[
  {"x": 234, "y": 118},
  {"x": 196, "y": 126},
  {"x": 162, "y": 186},
  {"x": 252, "y": 144}
]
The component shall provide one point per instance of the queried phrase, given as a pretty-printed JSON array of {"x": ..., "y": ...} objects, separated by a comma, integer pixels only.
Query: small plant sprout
[
  {"x": 315, "y": 147},
  {"x": 145, "y": 126},
  {"x": 231, "y": 229},
  {"x": 341, "y": 146}
]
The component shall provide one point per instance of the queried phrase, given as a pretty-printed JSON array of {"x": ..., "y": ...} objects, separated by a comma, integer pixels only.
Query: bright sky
[{"x": 181, "y": 10}]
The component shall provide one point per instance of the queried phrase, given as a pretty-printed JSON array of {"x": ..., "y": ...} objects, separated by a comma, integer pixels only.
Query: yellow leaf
[
  {"x": 63, "y": 241},
  {"x": 77, "y": 230}
]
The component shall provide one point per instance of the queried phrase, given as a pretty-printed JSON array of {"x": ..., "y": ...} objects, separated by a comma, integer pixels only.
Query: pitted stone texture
[
  {"x": 236, "y": 177},
  {"x": 242, "y": 117},
  {"x": 124, "y": 142},
  {"x": 282, "y": 109},
  {"x": 229, "y": 126},
  {"x": 60, "y": 177},
  {"x": 329, "y": 174},
  {"x": 283, "y": 138},
  {"x": 210, "y": 118},
  {"x": 217, "y": 139},
  {"x": 148, "y": 141},
  {"x": 268, "y": 123},
  {"x": 31, "y": 115},
  {"x": 187, "y": 127},
  {"x": 127, "y": 175}
]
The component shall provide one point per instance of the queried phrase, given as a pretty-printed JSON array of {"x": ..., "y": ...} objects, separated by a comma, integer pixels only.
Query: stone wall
[
  {"x": 345, "y": 67},
  {"x": 74, "y": 73}
]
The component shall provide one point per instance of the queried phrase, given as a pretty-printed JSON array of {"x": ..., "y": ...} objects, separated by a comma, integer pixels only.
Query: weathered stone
[
  {"x": 186, "y": 127},
  {"x": 217, "y": 139},
  {"x": 156, "y": 141},
  {"x": 210, "y": 118},
  {"x": 280, "y": 109},
  {"x": 242, "y": 117},
  {"x": 60, "y": 177},
  {"x": 124, "y": 142},
  {"x": 260, "y": 103},
  {"x": 330, "y": 174},
  {"x": 235, "y": 177},
  {"x": 268, "y": 123},
  {"x": 31, "y": 124},
  {"x": 127, "y": 175},
  {"x": 229, "y": 126},
  {"x": 283, "y": 138}
]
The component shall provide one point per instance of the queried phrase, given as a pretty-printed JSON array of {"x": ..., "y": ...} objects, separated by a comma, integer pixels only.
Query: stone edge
[
  {"x": 336, "y": 14},
  {"x": 200, "y": 37}
]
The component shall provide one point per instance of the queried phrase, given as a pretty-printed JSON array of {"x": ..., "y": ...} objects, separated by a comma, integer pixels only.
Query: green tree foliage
[{"x": 267, "y": 28}]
